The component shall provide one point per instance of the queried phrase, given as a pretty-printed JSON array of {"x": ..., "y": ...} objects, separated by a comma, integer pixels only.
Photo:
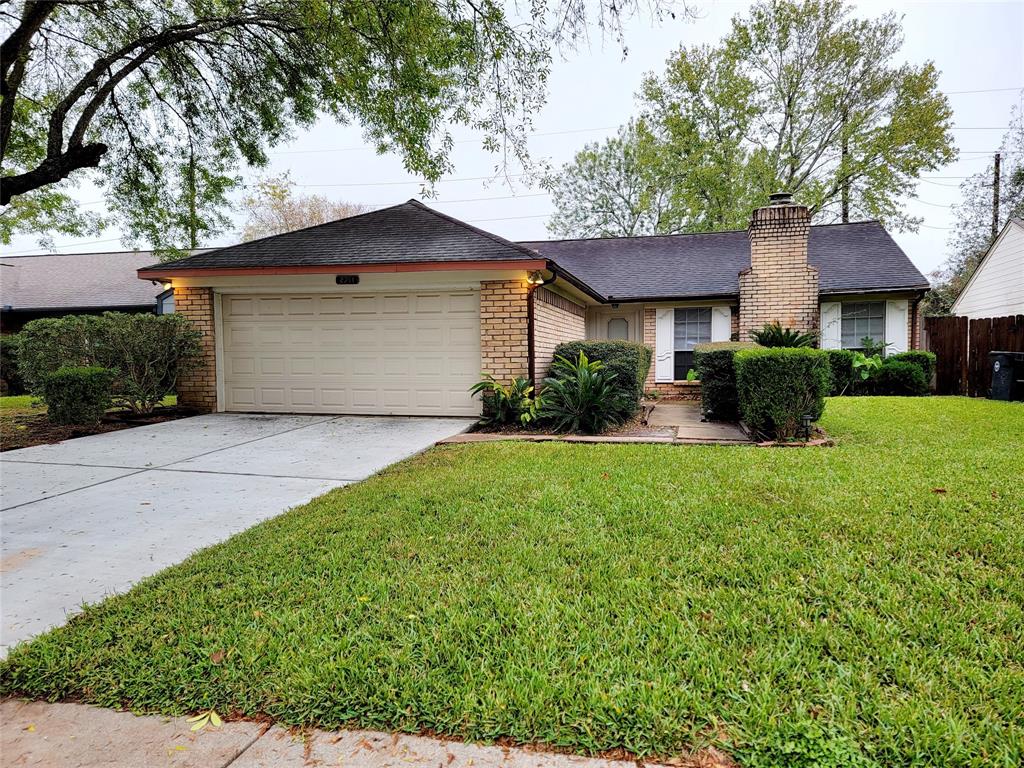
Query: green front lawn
[{"x": 864, "y": 603}]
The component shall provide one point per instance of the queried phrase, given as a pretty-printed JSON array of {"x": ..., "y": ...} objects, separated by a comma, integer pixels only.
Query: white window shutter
[
  {"x": 721, "y": 323},
  {"x": 664, "y": 359},
  {"x": 831, "y": 325},
  {"x": 896, "y": 330}
]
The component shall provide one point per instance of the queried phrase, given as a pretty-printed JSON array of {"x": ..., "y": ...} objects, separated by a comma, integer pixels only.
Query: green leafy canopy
[
  {"x": 798, "y": 96},
  {"x": 159, "y": 102}
]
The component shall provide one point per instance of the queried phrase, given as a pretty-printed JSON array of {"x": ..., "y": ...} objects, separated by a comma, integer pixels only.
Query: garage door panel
[
  {"x": 301, "y": 306},
  {"x": 402, "y": 353},
  {"x": 464, "y": 304}
]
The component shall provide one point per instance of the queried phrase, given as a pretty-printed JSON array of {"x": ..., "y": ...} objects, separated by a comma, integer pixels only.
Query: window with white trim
[
  {"x": 691, "y": 326},
  {"x": 862, "y": 319}
]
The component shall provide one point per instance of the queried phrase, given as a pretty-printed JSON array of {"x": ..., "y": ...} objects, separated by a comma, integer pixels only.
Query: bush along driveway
[{"x": 858, "y": 605}]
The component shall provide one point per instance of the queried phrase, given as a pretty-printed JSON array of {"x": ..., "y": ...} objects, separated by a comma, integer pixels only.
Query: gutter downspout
[{"x": 530, "y": 351}]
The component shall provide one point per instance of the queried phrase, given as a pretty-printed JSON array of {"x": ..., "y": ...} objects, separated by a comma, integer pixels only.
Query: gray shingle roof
[
  {"x": 406, "y": 233},
  {"x": 850, "y": 257},
  {"x": 76, "y": 281}
]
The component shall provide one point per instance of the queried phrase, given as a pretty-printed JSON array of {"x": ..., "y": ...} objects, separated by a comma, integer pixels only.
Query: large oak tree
[
  {"x": 799, "y": 96},
  {"x": 159, "y": 102}
]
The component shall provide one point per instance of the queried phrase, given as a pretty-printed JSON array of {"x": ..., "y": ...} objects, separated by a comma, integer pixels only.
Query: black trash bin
[{"x": 1007, "y": 375}]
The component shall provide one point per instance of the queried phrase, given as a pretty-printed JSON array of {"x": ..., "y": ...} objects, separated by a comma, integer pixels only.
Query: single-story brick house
[{"x": 400, "y": 310}]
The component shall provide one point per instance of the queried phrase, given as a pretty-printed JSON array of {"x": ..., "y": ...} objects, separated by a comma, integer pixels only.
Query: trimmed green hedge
[
  {"x": 9, "y": 370},
  {"x": 924, "y": 360},
  {"x": 628, "y": 360},
  {"x": 777, "y": 386},
  {"x": 77, "y": 394},
  {"x": 840, "y": 363},
  {"x": 717, "y": 374},
  {"x": 899, "y": 377}
]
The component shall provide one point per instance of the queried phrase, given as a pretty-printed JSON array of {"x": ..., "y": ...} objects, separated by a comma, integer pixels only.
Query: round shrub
[
  {"x": 717, "y": 374},
  {"x": 77, "y": 394},
  {"x": 840, "y": 362},
  {"x": 777, "y": 386},
  {"x": 923, "y": 360},
  {"x": 898, "y": 377}
]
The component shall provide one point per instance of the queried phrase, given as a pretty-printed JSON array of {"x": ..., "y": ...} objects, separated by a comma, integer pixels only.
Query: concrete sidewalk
[{"x": 75, "y": 736}]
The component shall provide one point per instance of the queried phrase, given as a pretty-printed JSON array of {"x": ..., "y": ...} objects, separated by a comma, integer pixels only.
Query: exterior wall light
[
  {"x": 167, "y": 286},
  {"x": 535, "y": 278}
]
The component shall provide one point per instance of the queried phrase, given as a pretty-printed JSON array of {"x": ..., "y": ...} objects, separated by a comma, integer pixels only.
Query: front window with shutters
[
  {"x": 692, "y": 326},
  {"x": 862, "y": 319}
]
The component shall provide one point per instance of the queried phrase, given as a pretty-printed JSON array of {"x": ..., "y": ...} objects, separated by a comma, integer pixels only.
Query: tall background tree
[
  {"x": 160, "y": 101},
  {"x": 273, "y": 207},
  {"x": 974, "y": 229},
  {"x": 799, "y": 96}
]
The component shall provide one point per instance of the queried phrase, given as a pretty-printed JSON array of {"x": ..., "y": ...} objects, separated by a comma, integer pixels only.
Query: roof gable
[
  {"x": 997, "y": 284},
  {"x": 402, "y": 234}
]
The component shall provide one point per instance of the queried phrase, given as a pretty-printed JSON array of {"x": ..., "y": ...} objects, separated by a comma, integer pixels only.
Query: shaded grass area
[
  {"x": 862, "y": 604},
  {"x": 23, "y": 422}
]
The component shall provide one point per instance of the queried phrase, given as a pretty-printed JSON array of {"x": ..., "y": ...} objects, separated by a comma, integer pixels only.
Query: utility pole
[
  {"x": 845, "y": 172},
  {"x": 995, "y": 198}
]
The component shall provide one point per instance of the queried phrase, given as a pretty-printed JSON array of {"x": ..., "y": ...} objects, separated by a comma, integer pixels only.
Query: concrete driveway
[{"x": 88, "y": 517}]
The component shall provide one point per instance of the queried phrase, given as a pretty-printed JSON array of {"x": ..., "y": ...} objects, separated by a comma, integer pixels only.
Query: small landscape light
[{"x": 805, "y": 421}]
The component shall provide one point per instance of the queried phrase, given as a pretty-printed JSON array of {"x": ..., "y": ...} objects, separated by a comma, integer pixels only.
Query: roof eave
[
  {"x": 161, "y": 271},
  {"x": 888, "y": 289}
]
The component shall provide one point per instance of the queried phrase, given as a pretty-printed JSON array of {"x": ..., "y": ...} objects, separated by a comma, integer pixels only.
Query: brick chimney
[{"x": 779, "y": 286}]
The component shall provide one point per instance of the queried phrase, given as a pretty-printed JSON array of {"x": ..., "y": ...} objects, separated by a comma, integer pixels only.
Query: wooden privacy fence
[{"x": 961, "y": 347}]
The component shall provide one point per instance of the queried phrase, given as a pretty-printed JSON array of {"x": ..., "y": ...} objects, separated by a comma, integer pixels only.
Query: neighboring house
[
  {"x": 56, "y": 284},
  {"x": 996, "y": 289},
  {"x": 400, "y": 310}
]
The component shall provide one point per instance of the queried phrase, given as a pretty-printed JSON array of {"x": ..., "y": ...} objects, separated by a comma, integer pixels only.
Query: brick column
[
  {"x": 504, "y": 344},
  {"x": 198, "y": 388},
  {"x": 650, "y": 329},
  {"x": 779, "y": 286}
]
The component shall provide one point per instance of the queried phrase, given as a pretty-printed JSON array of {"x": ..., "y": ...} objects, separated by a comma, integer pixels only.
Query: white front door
[{"x": 402, "y": 353}]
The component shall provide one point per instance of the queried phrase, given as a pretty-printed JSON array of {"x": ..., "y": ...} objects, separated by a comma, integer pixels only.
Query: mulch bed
[
  {"x": 632, "y": 428},
  {"x": 24, "y": 428}
]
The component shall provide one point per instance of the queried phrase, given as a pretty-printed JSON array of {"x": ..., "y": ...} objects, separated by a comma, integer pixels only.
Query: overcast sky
[{"x": 978, "y": 47}]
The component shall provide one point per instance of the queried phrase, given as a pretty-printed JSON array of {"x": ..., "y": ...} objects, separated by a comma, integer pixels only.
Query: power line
[
  {"x": 67, "y": 245},
  {"x": 421, "y": 182},
  {"x": 479, "y": 199},
  {"x": 511, "y": 218},
  {"x": 985, "y": 90},
  {"x": 363, "y": 147}
]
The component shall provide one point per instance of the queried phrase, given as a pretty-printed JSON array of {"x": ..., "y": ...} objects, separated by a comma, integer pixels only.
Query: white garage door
[{"x": 378, "y": 353}]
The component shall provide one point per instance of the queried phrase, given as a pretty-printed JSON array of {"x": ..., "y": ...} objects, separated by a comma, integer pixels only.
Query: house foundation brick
[
  {"x": 504, "y": 329},
  {"x": 779, "y": 286},
  {"x": 198, "y": 388},
  {"x": 556, "y": 320}
]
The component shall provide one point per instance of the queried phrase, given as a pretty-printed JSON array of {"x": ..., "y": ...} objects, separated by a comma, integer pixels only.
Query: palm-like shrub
[
  {"x": 774, "y": 335},
  {"x": 507, "y": 404},
  {"x": 582, "y": 396}
]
